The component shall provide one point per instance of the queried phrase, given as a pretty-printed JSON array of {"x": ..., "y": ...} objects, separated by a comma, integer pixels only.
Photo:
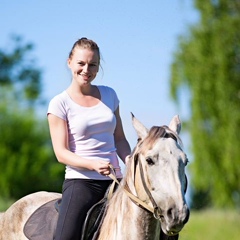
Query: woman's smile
[{"x": 84, "y": 65}]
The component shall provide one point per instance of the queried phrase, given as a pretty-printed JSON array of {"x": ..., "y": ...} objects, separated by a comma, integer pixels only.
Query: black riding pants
[{"x": 79, "y": 195}]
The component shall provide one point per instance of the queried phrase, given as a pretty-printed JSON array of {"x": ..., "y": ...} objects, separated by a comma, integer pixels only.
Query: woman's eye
[{"x": 93, "y": 64}]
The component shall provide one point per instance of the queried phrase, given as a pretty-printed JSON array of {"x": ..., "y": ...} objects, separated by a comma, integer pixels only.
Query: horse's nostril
[{"x": 169, "y": 212}]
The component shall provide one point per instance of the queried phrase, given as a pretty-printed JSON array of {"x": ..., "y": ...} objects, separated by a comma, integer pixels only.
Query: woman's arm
[
  {"x": 121, "y": 143},
  {"x": 59, "y": 136}
]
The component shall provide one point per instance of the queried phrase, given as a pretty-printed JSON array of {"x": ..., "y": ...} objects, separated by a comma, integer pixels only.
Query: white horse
[{"x": 149, "y": 202}]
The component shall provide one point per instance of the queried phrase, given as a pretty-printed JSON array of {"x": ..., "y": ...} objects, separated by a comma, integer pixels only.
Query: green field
[
  {"x": 212, "y": 225},
  {"x": 202, "y": 225}
]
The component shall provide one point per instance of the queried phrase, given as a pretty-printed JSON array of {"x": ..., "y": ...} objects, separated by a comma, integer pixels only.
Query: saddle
[{"x": 42, "y": 223}]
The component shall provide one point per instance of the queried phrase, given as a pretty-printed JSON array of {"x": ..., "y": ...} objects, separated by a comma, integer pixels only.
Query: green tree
[
  {"x": 208, "y": 63},
  {"x": 18, "y": 74},
  {"x": 27, "y": 161}
]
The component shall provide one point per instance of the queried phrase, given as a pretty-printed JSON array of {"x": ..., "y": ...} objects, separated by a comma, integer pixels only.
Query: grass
[{"x": 212, "y": 225}]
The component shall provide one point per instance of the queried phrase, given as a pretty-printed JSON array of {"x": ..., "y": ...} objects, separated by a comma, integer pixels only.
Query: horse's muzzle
[{"x": 173, "y": 221}]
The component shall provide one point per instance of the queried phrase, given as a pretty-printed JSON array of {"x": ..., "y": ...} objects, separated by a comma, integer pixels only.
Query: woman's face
[{"x": 84, "y": 65}]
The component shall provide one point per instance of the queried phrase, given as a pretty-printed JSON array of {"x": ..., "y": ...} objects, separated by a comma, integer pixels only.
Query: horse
[{"x": 149, "y": 202}]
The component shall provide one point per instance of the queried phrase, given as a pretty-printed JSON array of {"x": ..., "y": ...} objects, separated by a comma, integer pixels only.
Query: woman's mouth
[{"x": 85, "y": 77}]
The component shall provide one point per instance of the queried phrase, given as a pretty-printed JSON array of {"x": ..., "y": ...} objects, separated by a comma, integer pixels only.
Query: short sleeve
[
  {"x": 57, "y": 107},
  {"x": 110, "y": 97},
  {"x": 115, "y": 99}
]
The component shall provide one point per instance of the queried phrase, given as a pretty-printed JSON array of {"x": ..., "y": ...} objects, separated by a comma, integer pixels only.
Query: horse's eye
[{"x": 150, "y": 161}]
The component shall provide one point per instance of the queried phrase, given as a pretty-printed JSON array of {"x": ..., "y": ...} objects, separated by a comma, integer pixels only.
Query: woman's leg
[{"x": 79, "y": 195}]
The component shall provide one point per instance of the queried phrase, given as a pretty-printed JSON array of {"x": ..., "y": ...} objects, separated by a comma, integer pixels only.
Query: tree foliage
[
  {"x": 208, "y": 63},
  {"x": 18, "y": 74},
  {"x": 27, "y": 161}
]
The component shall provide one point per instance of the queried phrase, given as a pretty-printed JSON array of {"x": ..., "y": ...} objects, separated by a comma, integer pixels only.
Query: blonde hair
[{"x": 87, "y": 44}]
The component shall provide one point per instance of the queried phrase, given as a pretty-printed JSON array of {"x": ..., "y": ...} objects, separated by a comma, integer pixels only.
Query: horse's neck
[{"x": 126, "y": 220}]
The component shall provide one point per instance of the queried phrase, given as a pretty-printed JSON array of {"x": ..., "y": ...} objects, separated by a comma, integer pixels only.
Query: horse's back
[{"x": 13, "y": 220}]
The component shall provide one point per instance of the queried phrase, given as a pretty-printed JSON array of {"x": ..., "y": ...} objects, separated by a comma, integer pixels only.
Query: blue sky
[{"x": 136, "y": 38}]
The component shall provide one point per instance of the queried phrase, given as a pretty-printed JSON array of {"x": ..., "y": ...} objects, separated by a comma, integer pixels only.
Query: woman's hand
[{"x": 102, "y": 167}]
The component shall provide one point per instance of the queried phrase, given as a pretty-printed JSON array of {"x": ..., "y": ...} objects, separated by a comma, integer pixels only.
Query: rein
[{"x": 157, "y": 212}]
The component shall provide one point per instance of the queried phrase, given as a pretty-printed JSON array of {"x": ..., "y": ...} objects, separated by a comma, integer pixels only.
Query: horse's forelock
[{"x": 155, "y": 133}]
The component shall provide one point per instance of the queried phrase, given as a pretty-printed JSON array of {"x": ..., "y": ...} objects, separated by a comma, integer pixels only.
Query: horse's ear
[
  {"x": 175, "y": 124},
  {"x": 141, "y": 130}
]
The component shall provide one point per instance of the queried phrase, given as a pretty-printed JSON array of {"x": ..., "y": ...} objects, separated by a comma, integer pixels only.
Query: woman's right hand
[{"x": 102, "y": 167}]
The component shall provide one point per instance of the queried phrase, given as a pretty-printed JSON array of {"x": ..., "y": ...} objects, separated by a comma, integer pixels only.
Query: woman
[{"x": 87, "y": 135}]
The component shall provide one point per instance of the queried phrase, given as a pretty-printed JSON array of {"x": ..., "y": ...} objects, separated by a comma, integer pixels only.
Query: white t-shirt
[{"x": 90, "y": 130}]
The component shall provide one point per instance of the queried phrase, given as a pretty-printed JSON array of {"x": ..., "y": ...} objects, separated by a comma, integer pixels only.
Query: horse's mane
[{"x": 111, "y": 219}]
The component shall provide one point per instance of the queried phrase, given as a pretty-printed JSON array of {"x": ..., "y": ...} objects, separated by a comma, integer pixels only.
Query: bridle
[
  {"x": 155, "y": 209},
  {"x": 157, "y": 212}
]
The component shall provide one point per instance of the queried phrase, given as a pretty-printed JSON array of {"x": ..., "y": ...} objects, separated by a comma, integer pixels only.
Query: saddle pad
[{"x": 41, "y": 225}]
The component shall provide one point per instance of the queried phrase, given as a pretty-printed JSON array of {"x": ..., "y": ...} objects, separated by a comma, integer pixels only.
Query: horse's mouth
[
  {"x": 172, "y": 232},
  {"x": 173, "y": 226}
]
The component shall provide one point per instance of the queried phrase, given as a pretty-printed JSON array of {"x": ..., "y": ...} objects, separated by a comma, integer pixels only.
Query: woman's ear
[{"x": 68, "y": 62}]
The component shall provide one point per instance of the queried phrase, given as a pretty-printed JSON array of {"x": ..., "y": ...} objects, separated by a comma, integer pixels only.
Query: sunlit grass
[{"x": 212, "y": 225}]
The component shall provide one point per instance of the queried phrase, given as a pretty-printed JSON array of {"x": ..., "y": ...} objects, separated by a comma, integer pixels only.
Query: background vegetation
[
  {"x": 27, "y": 162},
  {"x": 207, "y": 62}
]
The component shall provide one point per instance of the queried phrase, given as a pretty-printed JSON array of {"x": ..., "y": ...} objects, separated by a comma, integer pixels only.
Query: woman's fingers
[{"x": 104, "y": 168}]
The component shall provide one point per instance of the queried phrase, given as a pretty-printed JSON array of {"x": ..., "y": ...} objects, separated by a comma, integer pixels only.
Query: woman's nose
[{"x": 85, "y": 68}]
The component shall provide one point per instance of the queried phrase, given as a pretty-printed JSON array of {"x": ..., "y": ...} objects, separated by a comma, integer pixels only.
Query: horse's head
[{"x": 158, "y": 162}]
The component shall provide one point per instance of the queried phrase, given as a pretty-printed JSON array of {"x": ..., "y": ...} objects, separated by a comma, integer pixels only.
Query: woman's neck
[{"x": 81, "y": 90}]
